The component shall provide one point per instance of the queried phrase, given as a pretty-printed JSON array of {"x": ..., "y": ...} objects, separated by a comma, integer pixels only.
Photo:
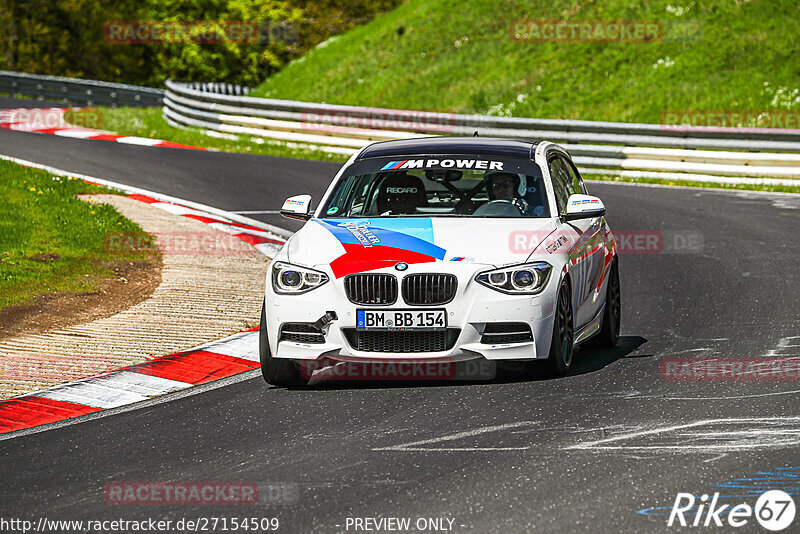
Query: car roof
[{"x": 484, "y": 146}]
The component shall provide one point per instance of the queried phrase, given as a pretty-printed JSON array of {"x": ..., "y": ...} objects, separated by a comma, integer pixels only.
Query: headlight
[
  {"x": 525, "y": 279},
  {"x": 288, "y": 279}
]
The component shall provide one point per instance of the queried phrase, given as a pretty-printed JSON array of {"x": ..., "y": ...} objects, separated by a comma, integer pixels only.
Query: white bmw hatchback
[{"x": 442, "y": 249}]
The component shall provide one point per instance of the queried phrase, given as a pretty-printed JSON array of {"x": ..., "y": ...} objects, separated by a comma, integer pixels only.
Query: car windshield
[{"x": 440, "y": 192}]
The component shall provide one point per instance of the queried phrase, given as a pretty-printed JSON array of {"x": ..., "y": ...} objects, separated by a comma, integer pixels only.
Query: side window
[
  {"x": 577, "y": 187},
  {"x": 561, "y": 182},
  {"x": 339, "y": 198},
  {"x": 357, "y": 197}
]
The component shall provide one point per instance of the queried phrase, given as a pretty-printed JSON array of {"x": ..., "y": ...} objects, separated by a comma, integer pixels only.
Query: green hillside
[{"x": 460, "y": 56}]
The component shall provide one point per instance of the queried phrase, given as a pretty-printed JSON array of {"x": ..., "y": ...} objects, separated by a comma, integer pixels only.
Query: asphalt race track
[{"x": 585, "y": 453}]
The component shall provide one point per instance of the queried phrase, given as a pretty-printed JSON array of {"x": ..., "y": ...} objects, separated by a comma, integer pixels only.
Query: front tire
[
  {"x": 562, "y": 345},
  {"x": 276, "y": 371}
]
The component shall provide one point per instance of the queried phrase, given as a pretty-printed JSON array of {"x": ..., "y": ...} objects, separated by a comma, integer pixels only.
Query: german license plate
[{"x": 401, "y": 319}]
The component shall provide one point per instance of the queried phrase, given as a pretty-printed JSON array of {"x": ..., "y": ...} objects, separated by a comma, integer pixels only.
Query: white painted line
[
  {"x": 177, "y": 209},
  {"x": 230, "y": 228},
  {"x": 699, "y": 349},
  {"x": 141, "y": 384},
  {"x": 268, "y": 249},
  {"x": 142, "y": 141},
  {"x": 785, "y": 342},
  {"x": 80, "y": 133},
  {"x": 180, "y": 394},
  {"x": 257, "y": 212},
  {"x": 224, "y": 225},
  {"x": 243, "y": 345},
  {"x": 732, "y": 397},
  {"x": 90, "y": 394},
  {"x": 456, "y": 449},
  {"x": 414, "y": 446},
  {"x": 112, "y": 390},
  {"x": 745, "y": 435},
  {"x": 592, "y": 444},
  {"x": 227, "y": 228},
  {"x": 704, "y": 448},
  {"x": 783, "y": 345}
]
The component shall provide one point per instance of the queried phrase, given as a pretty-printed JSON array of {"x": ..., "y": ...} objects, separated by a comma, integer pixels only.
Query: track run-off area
[{"x": 607, "y": 448}]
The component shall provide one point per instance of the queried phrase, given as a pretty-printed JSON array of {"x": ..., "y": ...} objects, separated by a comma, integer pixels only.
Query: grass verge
[
  {"x": 52, "y": 242},
  {"x": 464, "y": 57}
]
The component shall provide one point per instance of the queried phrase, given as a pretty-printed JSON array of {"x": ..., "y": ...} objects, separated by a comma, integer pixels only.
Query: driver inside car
[{"x": 512, "y": 188}]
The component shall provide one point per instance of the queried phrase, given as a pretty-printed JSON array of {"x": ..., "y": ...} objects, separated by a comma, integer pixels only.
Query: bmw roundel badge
[{"x": 402, "y": 266}]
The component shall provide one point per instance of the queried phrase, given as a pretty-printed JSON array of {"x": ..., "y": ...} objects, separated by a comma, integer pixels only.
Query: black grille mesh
[
  {"x": 301, "y": 333},
  {"x": 402, "y": 341},
  {"x": 429, "y": 289},
  {"x": 496, "y": 333},
  {"x": 370, "y": 289}
]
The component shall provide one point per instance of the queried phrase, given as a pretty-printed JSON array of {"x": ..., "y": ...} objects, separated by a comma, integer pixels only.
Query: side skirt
[{"x": 591, "y": 328}]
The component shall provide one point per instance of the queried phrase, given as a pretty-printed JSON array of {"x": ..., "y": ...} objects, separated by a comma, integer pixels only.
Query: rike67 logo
[{"x": 774, "y": 510}]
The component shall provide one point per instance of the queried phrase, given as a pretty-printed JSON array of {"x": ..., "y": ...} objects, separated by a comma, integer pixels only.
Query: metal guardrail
[
  {"x": 738, "y": 155},
  {"x": 79, "y": 92},
  {"x": 649, "y": 150}
]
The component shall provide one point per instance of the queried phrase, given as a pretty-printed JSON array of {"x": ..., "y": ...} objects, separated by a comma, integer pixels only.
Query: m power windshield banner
[
  {"x": 461, "y": 162},
  {"x": 476, "y": 164}
]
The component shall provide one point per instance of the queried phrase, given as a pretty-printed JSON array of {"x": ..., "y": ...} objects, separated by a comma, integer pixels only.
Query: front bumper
[{"x": 473, "y": 307}]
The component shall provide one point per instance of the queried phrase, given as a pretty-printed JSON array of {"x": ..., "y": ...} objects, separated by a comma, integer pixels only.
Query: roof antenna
[{"x": 475, "y": 134}]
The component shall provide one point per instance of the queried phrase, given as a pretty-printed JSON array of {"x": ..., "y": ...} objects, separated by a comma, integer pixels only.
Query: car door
[
  {"x": 583, "y": 264},
  {"x": 593, "y": 250}
]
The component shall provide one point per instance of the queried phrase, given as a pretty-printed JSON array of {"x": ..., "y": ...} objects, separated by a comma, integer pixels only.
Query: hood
[{"x": 357, "y": 245}]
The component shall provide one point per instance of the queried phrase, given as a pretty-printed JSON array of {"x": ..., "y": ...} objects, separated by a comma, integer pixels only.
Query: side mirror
[
  {"x": 583, "y": 207},
  {"x": 297, "y": 207}
]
